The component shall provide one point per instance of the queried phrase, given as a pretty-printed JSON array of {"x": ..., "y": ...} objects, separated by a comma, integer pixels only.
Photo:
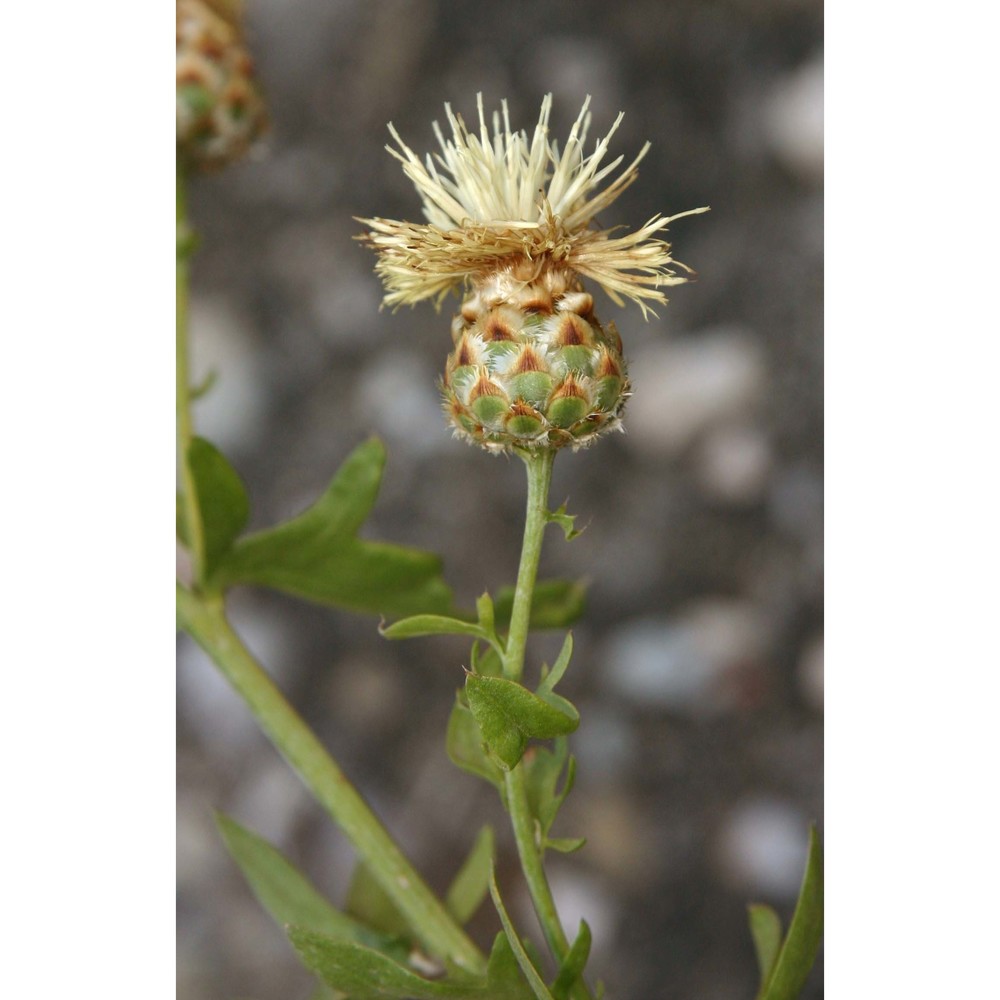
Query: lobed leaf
[
  {"x": 509, "y": 715},
  {"x": 317, "y": 555}
]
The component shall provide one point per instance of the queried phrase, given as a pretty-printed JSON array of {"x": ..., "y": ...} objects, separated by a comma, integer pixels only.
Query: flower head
[
  {"x": 512, "y": 220},
  {"x": 501, "y": 200},
  {"x": 220, "y": 110}
]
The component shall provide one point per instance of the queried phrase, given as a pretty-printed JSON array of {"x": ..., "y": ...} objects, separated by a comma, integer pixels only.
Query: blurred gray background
[{"x": 699, "y": 663}]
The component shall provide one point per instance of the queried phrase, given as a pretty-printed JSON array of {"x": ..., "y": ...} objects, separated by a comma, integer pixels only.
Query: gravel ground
[{"x": 699, "y": 663}]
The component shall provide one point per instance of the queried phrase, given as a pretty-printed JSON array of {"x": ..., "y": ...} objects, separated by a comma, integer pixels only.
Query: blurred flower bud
[{"x": 220, "y": 110}]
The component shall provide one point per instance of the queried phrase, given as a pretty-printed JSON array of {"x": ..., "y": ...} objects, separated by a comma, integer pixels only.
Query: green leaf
[
  {"x": 489, "y": 663},
  {"x": 223, "y": 505},
  {"x": 465, "y": 746},
  {"x": 317, "y": 555},
  {"x": 286, "y": 893},
  {"x": 472, "y": 882},
  {"x": 798, "y": 953},
  {"x": 372, "y": 905},
  {"x": 365, "y": 974},
  {"x": 503, "y": 974},
  {"x": 565, "y": 845},
  {"x": 530, "y": 972},
  {"x": 565, "y": 521},
  {"x": 421, "y": 625},
  {"x": 484, "y": 608},
  {"x": 573, "y": 965},
  {"x": 509, "y": 715},
  {"x": 542, "y": 769},
  {"x": 765, "y": 928},
  {"x": 182, "y": 531},
  {"x": 554, "y": 604},
  {"x": 552, "y": 677}
]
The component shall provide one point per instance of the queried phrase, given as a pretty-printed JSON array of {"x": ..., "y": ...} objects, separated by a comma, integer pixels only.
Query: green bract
[{"x": 533, "y": 367}]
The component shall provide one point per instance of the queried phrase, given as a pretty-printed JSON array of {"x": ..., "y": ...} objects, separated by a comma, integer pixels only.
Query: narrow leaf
[
  {"x": 554, "y": 676},
  {"x": 509, "y": 715},
  {"x": 798, "y": 953},
  {"x": 565, "y": 845},
  {"x": 317, "y": 556},
  {"x": 365, "y": 974},
  {"x": 223, "y": 505},
  {"x": 530, "y": 972},
  {"x": 182, "y": 530},
  {"x": 372, "y": 905},
  {"x": 465, "y": 746},
  {"x": 765, "y": 928},
  {"x": 574, "y": 963},
  {"x": 542, "y": 770},
  {"x": 554, "y": 604},
  {"x": 472, "y": 882},
  {"x": 488, "y": 663},
  {"x": 421, "y": 625},
  {"x": 484, "y": 608},
  {"x": 567, "y": 787},
  {"x": 285, "y": 892}
]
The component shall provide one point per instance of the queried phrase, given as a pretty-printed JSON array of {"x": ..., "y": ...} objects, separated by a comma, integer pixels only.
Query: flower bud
[{"x": 220, "y": 110}]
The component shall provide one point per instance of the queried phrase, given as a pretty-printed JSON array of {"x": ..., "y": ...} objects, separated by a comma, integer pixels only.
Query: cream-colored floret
[{"x": 496, "y": 200}]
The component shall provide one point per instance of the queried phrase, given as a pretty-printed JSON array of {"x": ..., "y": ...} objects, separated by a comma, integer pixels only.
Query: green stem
[
  {"x": 205, "y": 620},
  {"x": 539, "y": 466},
  {"x": 185, "y": 428},
  {"x": 203, "y": 616}
]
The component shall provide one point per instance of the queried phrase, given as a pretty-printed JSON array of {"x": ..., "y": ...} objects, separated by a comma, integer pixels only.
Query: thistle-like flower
[
  {"x": 512, "y": 221},
  {"x": 220, "y": 110}
]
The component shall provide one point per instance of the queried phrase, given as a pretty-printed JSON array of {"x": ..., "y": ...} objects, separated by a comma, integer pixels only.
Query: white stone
[
  {"x": 682, "y": 662},
  {"x": 810, "y": 673},
  {"x": 270, "y": 799},
  {"x": 231, "y": 414},
  {"x": 793, "y": 120},
  {"x": 221, "y": 718},
  {"x": 397, "y": 395},
  {"x": 733, "y": 462},
  {"x": 762, "y": 847},
  {"x": 683, "y": 388}
]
